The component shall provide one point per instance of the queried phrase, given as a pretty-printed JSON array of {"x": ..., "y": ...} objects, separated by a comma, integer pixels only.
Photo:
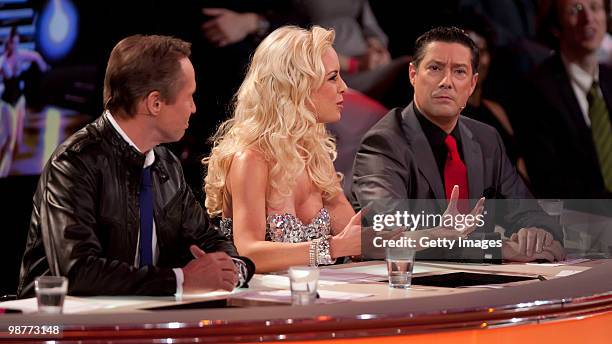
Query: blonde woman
[{"x": 270, "y": 173}]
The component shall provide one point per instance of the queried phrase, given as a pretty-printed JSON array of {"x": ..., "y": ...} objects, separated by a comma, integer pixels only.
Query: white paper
[
  {"x": 380, "y": 270},
  {"x": 71, "y": 305},
  {"x": 564, "y": 273},
  {"x": 326, "y": 296},
  {"x": 485, "y": 286},
  {"x": 563, "y": 262},
  {"x": 341, "y": 276},
  {"x": 282, "y": 281},
  {"x": 333, "y": 276},
  {"x": 212, "y": 294}
]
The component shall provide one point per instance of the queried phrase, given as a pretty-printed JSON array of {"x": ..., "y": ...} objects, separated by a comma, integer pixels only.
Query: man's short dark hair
[
  {"x": 139, "y": 65},
  {"x": 446, "y": 34}
]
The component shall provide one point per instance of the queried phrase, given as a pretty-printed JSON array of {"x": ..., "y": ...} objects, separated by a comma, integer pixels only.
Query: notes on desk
[
  {"x": 207, "y": 295},
  {"x": 561, "y": 263},
  {"x": 333, "y": 276},
  {"x": 273, "y": 281},
  {"x": 564, "y": 273},
  {"x": 379, "y": 270},
  {"x": 326, "y": 296},
  {"x": 71, "y": 304},
  {"x": 484, "y": 286},
  {"x": 326, "y": 277},
  {"x": 343, "y": 276}
]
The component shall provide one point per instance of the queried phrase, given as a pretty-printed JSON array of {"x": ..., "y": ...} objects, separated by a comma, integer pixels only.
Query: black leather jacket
[{"x": 86, "y": 217}]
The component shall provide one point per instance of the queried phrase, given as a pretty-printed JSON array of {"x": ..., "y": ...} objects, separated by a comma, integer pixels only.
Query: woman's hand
[{"x": 347, "y": 242}]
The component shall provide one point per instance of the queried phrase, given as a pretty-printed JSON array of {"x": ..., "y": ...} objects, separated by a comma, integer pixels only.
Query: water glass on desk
[
  {"x": 400, "y": 262},
  {"x": 50, "y": 293},
  {"x": 303, "y": 282}
]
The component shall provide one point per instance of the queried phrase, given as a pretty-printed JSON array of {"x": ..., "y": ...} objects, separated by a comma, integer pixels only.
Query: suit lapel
[
  {"x": 605, "y": 83},
  {"x": 472, "y": 154},
  {"x": 423, "y": 154},
  {"x": 563, "y": 85},
  {"x": 571, "y": 112}
]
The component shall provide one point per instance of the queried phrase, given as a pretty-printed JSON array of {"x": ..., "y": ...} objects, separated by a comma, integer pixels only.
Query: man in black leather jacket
[{"x": 87, "y": 223}]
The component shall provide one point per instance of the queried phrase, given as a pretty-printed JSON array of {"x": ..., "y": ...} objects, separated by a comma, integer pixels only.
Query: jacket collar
[
  {"x": 149, "y": 156},
  {"x": 129, "y": 154}
]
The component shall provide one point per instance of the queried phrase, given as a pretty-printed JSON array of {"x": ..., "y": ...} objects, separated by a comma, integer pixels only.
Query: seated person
[
  {"x": 112, "y": 211},
  {"x": 270, "y": 174},
  {"x": 561, "y": 112},
  {"x": 425, "y": 149}
]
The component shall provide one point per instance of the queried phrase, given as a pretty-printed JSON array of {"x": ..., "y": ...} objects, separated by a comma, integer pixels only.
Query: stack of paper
[{"x": 326, "y": 296}]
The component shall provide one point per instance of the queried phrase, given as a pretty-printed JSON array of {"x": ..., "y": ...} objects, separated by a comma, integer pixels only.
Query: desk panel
[{"x": 560, "y": 307}]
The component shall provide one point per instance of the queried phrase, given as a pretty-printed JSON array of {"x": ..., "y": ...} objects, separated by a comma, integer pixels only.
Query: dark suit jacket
[
  {"x": 551, "y": 131},
  {"x": 511, "y": 20},
  {"x": 395, "y": 161},
  {"x": 86, "y": 217}
]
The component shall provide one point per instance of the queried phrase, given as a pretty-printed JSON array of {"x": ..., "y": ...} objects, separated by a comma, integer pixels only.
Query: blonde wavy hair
[{"x": 272, "y": 117}]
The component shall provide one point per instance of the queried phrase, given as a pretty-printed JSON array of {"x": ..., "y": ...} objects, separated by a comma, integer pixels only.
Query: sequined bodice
[{"x": 288, "y": 228}]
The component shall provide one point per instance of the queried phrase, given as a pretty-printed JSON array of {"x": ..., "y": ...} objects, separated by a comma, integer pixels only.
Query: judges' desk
[{"x": 548, "y": 304}]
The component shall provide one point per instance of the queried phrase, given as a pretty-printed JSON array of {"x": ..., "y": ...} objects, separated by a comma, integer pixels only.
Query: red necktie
[{"x": 455, "y": 172}]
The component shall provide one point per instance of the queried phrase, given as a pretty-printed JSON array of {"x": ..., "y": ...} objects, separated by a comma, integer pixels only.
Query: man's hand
[
  {"x": 377, "y": 55},
  {"x": 532, "y": 240},
  {"x": 453, "y": 210},
  {"x": 553, "y": 252},
  {"x": 228, "y": 27},
  {"x": 209, "y": 272}
]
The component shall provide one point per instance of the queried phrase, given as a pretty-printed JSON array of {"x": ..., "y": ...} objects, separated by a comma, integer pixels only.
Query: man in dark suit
[
  {"x": 424, "y": 150},
  {"x": 112, "y": 210},
  {"x": 562, "y": 116}
]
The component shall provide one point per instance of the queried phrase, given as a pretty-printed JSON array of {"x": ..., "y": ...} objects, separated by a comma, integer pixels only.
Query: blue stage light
[{"x": 57, "y": 29}]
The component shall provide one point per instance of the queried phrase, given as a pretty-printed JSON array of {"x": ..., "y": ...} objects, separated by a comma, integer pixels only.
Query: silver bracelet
[
  {"x": 323, "y": 252},
  {"x": 312, "y": 252}
]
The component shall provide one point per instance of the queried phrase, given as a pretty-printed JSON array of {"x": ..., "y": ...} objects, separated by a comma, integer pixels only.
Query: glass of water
[
  {"x": 303, "y": 281},
  {"x": 50, "y": 293},
  {"x": 400, "y": 261}
]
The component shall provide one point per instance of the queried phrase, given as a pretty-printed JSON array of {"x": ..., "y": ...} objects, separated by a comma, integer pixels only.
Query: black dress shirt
[{"x": 436, "y": 136}]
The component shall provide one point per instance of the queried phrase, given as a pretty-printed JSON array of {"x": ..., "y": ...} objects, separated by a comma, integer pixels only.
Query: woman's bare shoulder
[
  {"x": 250, "y": 156},
  {"x": 249, "y": 165}
]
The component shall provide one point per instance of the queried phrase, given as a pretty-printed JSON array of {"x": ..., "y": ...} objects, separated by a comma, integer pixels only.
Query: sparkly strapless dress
[{"x": 288, "y": 228}]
